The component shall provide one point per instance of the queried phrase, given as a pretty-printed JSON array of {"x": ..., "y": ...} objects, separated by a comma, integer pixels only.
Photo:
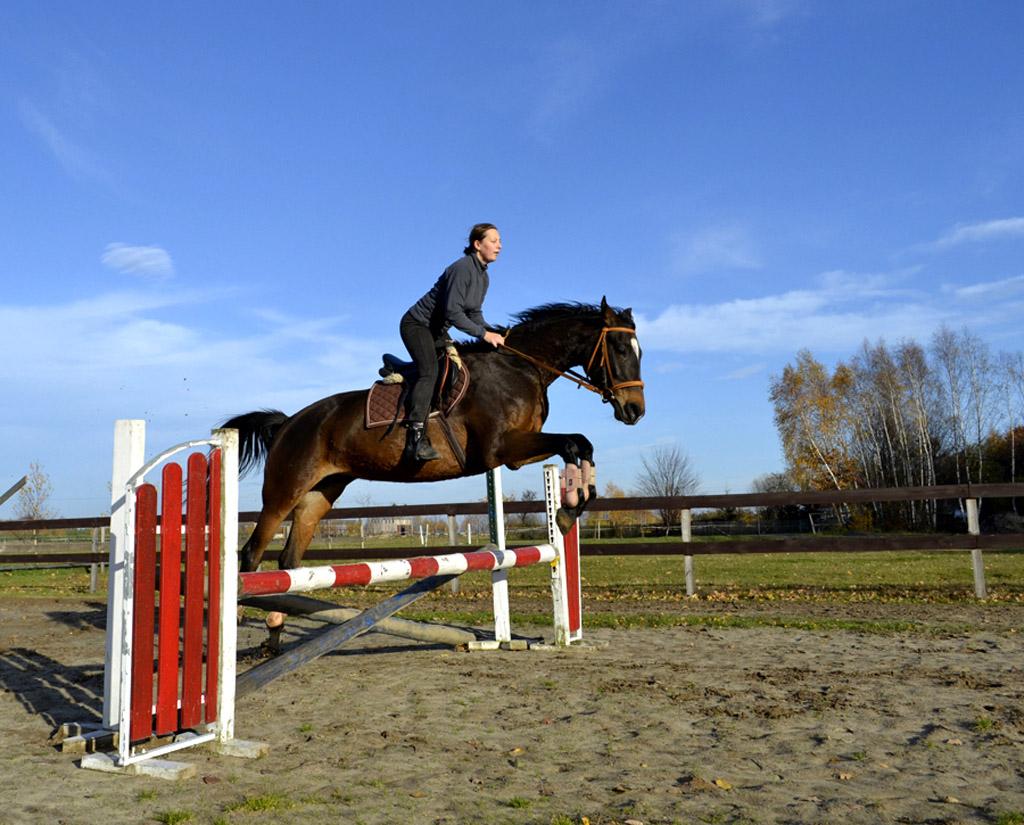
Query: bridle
[{"x": 604, "y": 363}]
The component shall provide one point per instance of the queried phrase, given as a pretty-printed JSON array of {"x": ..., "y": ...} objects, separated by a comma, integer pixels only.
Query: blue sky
[{"x": 210, "y": 208}]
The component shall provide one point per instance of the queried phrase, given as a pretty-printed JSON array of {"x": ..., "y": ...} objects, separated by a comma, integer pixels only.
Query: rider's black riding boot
[{"x": 417, "y": 444}]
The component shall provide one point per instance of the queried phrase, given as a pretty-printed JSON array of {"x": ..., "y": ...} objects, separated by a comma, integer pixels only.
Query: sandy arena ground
[{"x": 687, "y": 725}]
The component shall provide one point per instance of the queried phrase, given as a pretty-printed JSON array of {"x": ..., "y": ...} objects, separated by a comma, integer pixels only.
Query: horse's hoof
[
  {"x": 271, "y": 646},
  {"x": 565, "y": 520}
]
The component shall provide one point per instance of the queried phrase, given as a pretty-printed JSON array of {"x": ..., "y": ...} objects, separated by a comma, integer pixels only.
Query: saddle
[{"x": 385, "y": 402}]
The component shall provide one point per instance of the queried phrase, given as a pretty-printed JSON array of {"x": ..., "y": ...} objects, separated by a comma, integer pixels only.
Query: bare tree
[
  {"x": 527, "y": 519},
  {"x": 668, "y": 472},
  {"x": 33, "y": 497},
  {"x": 979, "y": 393},
  {"x": 1010, "y": 378},
  {"x": 776, "y": 483},
  {"x": 946, "y": 351}
]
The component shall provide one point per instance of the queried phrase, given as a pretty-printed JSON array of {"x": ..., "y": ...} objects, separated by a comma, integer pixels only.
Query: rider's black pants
[{"x": 420, "y": 342}]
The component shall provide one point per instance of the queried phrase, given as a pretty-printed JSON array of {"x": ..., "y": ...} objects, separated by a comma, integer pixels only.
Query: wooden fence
[{"x": 970, "y": 494}]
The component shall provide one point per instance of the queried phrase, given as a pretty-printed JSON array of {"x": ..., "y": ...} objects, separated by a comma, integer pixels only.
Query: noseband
[{"x": 606, "y": 392}]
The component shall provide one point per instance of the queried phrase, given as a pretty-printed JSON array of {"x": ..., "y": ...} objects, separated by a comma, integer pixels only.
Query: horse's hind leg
[
  {"x": 312, "y": 507},
  {"x": 252, "y": 551}
]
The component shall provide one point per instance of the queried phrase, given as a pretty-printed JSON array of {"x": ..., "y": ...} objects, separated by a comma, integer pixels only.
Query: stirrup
[{"x": 425, "y": 450}]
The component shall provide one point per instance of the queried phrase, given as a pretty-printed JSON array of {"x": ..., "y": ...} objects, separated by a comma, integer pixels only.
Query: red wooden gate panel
[
  {"x": 195, "y": 541},
  {"x": 170, "y": 601},
  {"x": 171, "y": 635},
  {"x": 142, "y": 628}
]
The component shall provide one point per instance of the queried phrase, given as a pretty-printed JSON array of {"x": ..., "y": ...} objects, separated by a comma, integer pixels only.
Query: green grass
[
  {"x": 263, "y": 802},
  {"x": 1010, "y": 818},
  {"x": 888, "y": 576},
  {"x": 657, "y": 620},
  {"x": 175, "y": 817},
  {"x": 983, "y": 724}
]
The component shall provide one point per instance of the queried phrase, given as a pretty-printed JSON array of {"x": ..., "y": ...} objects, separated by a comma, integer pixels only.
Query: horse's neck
[{"x": 559, "y": 344}]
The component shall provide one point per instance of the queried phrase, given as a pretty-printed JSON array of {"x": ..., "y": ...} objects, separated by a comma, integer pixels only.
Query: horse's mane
[
  {"x": 555, "y": 312},
  {"x": 537, "y": 315}
]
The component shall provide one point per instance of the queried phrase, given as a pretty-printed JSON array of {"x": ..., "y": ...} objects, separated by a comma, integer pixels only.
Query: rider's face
[{"x": 488, "y": 248}]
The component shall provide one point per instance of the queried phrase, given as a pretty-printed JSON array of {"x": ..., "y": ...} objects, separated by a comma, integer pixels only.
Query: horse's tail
[{"x": 256, "y": 431}]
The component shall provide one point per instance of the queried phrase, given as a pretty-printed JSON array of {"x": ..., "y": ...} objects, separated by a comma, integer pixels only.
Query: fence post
[
  {"x": 978, "y": 565},
  {"x": 686, "y": 534},
  {"x": 559, "y": 585},
  {"x": 451, "y": 540},
  {"x": 129, "y": 456},
  {"x": 499, "y": 578},
  {"x": 227, "y": 652},
  {"x": 94, "y": 567}
]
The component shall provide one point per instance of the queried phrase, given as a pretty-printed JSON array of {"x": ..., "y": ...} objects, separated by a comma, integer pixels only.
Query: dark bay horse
[{"x": 313, "y": 455}]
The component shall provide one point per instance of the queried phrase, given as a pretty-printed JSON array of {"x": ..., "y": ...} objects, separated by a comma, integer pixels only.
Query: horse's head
[{"x": 614, "y": 366}]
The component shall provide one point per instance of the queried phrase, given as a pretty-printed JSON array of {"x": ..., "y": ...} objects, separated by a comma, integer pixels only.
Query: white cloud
[
  {"x": 76, "y": 161},
  {"x": 834, "y": 317},
  {"x": 714, "y": 248},
  {"x": 148, "y": 261},
  {"x": 770, "y": 12},
  {"x": 985, "y": 231},
  {"x": 569, "y": 79},
  {"x": 991, "y": 289},
  {"x": 133, "y": 350},
  {"x": 745, "y": 372}
]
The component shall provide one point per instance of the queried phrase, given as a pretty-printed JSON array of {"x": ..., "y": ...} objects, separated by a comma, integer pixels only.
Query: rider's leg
[{"x": 420, "y": 343}]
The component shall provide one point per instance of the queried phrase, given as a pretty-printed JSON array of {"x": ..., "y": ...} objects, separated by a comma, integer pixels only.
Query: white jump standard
[{"x": 170, "y": 678}]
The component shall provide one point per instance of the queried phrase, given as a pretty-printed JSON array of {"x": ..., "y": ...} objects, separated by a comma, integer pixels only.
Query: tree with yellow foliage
[{"x": 812, "y": 413}]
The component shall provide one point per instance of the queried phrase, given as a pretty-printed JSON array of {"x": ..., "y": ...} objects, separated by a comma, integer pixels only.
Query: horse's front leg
[{"x": 574, "y": 449}]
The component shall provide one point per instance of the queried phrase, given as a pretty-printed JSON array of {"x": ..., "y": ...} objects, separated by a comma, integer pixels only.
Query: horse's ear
[
  {"x": 607, "y": 312},
  {"x": 628, "y": 314}
]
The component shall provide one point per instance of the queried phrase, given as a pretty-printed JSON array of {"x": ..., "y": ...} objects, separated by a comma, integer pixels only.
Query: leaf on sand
[
  {"x": 694, "y": 784},
  {"x": 843, "y": 776},
  {"x": 516, "y": 751},
  {"x": 721, "y": 783}
]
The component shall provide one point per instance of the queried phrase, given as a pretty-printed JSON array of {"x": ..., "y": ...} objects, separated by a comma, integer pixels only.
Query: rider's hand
[{"x": 494, "y": 339}]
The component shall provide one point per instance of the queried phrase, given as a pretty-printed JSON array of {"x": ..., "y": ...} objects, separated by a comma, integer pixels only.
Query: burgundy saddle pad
[{"x": 382, "y": 400}]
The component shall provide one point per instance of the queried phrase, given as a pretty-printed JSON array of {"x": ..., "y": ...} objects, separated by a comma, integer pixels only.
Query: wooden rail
[{"x": 866, "y": 495}]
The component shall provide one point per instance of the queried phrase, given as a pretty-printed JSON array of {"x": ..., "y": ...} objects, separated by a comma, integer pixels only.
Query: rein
[{"x": 572, "y": 375}]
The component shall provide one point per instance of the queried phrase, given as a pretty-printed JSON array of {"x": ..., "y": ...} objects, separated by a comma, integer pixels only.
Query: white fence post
[
  {"x": 686, "y": 534},
  {"x": 94, "y": 568},
  {"x": 977, "y": 564},
  {"x": 559, "y": 586},
  {"x": 228, "y": 584},
  {"x": 129, "y": 455},
  {"x": 454, "y": 584},
  {"x": 499, "y": 578}
]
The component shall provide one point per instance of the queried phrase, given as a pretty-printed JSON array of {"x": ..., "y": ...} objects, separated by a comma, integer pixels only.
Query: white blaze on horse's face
[{"x": 636, "y": 347}]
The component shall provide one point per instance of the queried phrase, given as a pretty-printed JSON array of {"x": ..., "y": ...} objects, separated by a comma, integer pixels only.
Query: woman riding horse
[
  {"x": 313, "y": 455},
  {"x": 456, "y": 300}
]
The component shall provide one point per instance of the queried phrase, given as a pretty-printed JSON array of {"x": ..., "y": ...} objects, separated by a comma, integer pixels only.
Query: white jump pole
[{"x": 499, "y": 578}]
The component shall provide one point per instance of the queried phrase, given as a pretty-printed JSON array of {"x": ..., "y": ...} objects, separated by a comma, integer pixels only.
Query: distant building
[{"x": 389, "y": 526}]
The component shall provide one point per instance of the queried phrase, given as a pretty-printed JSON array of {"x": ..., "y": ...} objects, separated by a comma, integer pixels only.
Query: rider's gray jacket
[{"x": 455, "y": 300}]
